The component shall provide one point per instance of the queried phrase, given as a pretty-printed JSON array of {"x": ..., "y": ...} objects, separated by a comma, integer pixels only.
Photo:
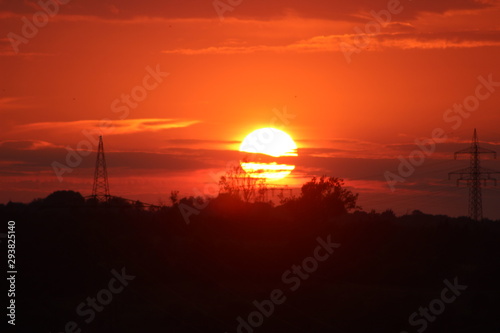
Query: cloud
[
  {"x": 260, "y": 9},
  {"x": 109, "y": 127},
  {"x": 346, "y": 148},
  {"x": 13, "y": 103},
  {"x": 38, "y": 156},
  {"x": 11, "y": 53},
  {"x": 26, "y": 144},
  {"x": 201, "y": 144},
  {"x": 375, "y": 42},
  {"x": 467, "y": 39},
  {"x": 189, "y": 142}
]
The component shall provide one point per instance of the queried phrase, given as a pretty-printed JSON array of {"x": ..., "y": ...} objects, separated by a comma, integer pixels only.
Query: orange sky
[{"x": 351, "y": 112}]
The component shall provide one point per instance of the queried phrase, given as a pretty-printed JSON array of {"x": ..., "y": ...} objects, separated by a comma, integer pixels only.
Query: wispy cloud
[
  {"x": 12, "y": 103},
  {"x": 113, "y": 127},
  {"x": 26, "y": 144},
  {"x": 189, "y": 142},
  {"x": 332, "y": 43},
  {"x": 11, "y": 53}
]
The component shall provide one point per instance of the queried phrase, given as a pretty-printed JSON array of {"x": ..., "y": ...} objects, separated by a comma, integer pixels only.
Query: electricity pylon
[
  {"x": 474, "y": 175},
  {"x": 100, "y": 190}
]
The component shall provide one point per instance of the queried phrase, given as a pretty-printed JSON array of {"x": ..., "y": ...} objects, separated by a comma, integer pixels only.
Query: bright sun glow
[{"x": 270, "y": 142}]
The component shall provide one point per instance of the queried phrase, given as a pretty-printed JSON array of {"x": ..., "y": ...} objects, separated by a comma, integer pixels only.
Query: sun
[{"x": 264, "y": 148}]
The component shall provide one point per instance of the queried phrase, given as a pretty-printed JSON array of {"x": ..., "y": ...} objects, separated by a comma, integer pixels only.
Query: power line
[
  {"x": 474, "y": 175},
  {"x": 100, "y": 190}
]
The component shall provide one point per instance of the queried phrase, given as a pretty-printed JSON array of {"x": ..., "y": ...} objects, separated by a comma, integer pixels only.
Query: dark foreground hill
[{"x": 239, "y": 267}]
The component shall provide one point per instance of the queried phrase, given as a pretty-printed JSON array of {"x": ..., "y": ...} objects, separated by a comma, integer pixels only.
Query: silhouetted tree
[
  {"x": 246, "y": 246},
  {"x": 325, "y": 196},
  {"x": 64, "y": 199},
  {"x": 174, "y": 197},
  {"x": 239, "y": 183},
  {"x": 118, "y": 202},
  {"x": 388, "y": 214}
]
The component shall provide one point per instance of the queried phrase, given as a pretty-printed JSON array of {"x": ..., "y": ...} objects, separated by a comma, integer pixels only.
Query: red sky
[{"x": 355, "y": 101}]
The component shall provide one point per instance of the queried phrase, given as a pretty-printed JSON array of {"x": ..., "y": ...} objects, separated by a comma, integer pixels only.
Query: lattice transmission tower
[
  {"x": 474, "y": 175},
  {"x": 100, "y": 190}
]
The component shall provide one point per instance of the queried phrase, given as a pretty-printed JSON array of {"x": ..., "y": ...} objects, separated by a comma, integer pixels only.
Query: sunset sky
[{"x": 205, "y": 76}]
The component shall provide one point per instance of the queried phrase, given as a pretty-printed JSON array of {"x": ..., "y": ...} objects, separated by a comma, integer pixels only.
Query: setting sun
[{"x": 262, "y": 144}]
